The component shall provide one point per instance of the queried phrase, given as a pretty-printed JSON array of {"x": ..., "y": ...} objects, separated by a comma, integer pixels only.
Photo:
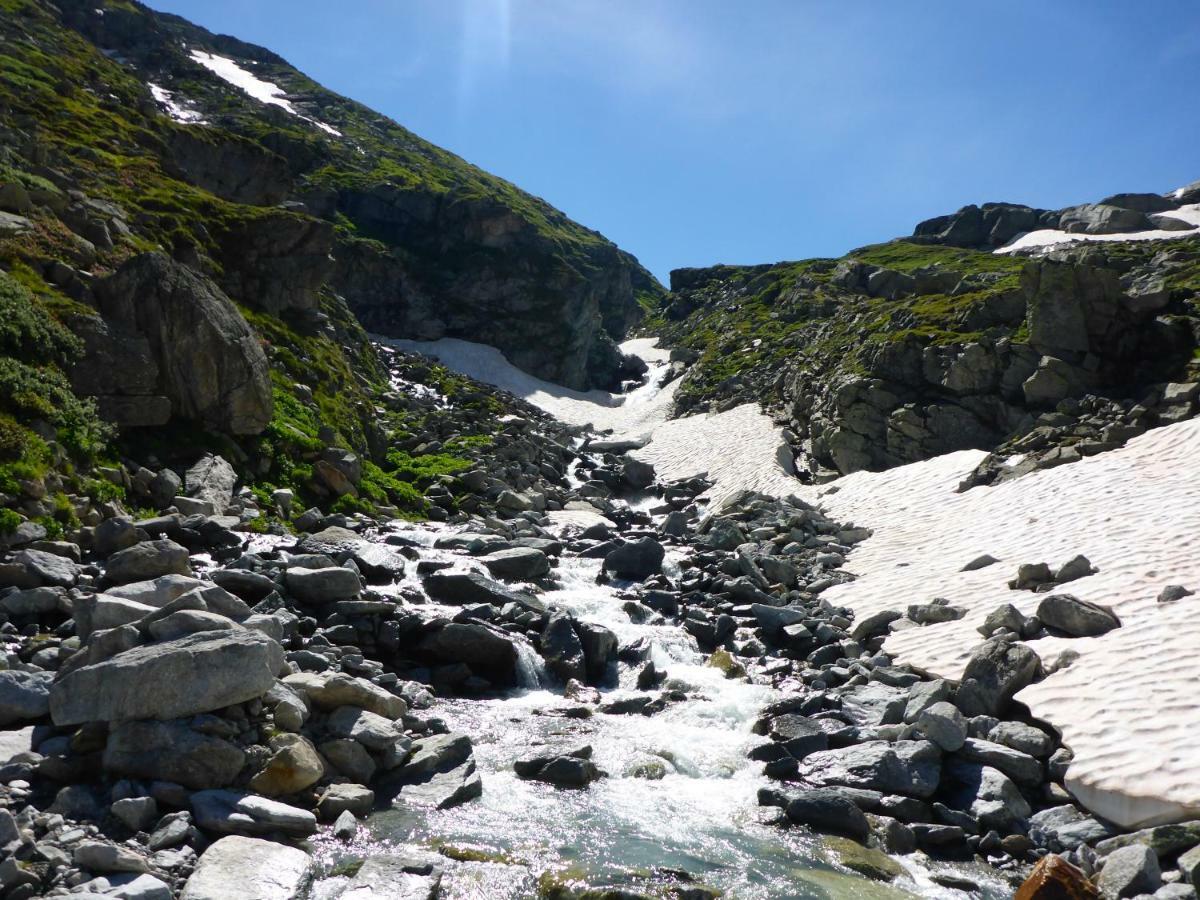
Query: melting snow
[
  {"x": 177, "y": 111},
  {"x": 262, "y": 91},
  {"x": 1050, "y": 236}
]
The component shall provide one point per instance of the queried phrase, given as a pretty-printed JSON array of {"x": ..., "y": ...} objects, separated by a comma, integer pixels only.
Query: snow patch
[
  {"x": 1127, "y": 706},
  {"x": 262, "y": 91},
  {"x": 175, "y": 110},
  {"x": 1049, "y": 237}
]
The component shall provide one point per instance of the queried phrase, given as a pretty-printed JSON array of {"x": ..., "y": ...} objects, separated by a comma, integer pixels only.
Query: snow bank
[
  {"x": 1050, "y": 236},
  {"x": 262, "y": 91},
  {"x": 1128, "y": 705}
]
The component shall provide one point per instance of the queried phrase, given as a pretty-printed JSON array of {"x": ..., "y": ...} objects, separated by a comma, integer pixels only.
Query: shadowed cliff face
[{"x": 424, "y": 244}]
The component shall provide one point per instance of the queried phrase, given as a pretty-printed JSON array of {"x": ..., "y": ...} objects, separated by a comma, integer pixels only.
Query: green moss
[{"x": 10, "y": 520}]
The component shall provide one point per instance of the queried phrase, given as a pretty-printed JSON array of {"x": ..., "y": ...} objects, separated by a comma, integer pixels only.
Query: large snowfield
[{"x": 1126, "y": 705}]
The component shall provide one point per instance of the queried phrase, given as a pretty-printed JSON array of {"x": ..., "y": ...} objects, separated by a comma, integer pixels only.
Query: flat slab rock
[
  {"x": 234, "y": 812},
  {"x": 410, "y": 876},
  {"x": 250, "y": 869},
  {"x": 182, "y": 677}
]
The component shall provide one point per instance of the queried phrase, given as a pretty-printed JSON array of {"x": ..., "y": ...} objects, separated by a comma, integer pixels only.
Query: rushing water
[{"x": 680, "y": 794}]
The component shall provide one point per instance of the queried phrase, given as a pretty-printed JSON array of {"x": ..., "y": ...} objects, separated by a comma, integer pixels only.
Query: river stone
[
  {"x": 911, "y": 768},
  {"x": 1022, "y": 737},
  {"x": 235, "y": 812},
  {"x": 562, "y": 649},
  {"x": 193, "y": 674},
  {"x": 147, "y": 560},
  {"x": 475, "y": 644},
  {"x": 517, "y": 564},
  {"x": 171, "y": 751},
  {"x": 97, "y": 856},
  {"x": 249, "y": 868},
  {"x": 319, "y": 586},
  {"x": 994, "y": 673},
  {"x": 1129, "y": 871},
  {"x": 1075, "y": 617},
  {"x": 409, "y": 876},
  {"x": 1020, "y": 767},
  {"x": 330, "y": 690},
  {"x": 249, "y": 586},
  {"x": 293, "y": 767},
  {"x": 372, "y": 731},
  {"x": 1162, "y": 839},
  {"x": 339, "y": 798},
  {"x": 466, "y": 588},
  {"x": 350, "y": 758},
  {"x": 1065, "y": 827},
  {"x": 24, "y": 696},
  {"x": 828, "y": 810},
  {"x": 868, "y": 861},
  {"x": 599, "y": 649},
  {"x": 636, "y": 560},
  {"x": 136, "y": 813}
]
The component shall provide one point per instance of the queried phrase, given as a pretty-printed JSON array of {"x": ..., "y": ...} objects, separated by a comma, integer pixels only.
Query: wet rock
[
  {"x": 246, "y": 867},
  {"x": 828, "y": 810},
  {"x": 517, "y": 564},
  {"x": 1075, "y": 617},
  {"x": 599, "y": 649},
  {"x": 567, "y": 770},
  {"x": 475, "y": 644},
  {"x": 562, "y": 649},
  {"x": 470, "y": 587},
  {"x": 395, "y": 876},
  {"x": 192, "y": 674},
  {"x": 868, "y": 861},
  {"x": 636, "y": 560},
  {"x": 337, "y": 799}
]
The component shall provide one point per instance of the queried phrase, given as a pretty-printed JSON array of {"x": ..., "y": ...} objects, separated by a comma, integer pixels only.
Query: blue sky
[{"x": 693, "y": 132}]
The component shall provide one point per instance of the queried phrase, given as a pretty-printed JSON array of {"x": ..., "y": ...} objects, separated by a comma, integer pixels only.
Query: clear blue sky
[{"x": 694, "y": 132}]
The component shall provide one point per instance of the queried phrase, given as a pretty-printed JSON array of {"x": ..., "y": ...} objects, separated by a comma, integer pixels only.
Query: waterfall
[{"x": 531, "y": 671}]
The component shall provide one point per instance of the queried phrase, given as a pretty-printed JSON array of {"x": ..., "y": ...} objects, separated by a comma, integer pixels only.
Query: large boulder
[
  {"x": 210, "y": 364},
  {"x": 193, "y": 674},
  {"x": 911, "y": 768},
  {"x": 24, "y": 696},
  {"x": 827, "y": 809},
  {"x": 1075, "y": 617},
  {"x": 328, "y": 691},
  {"x": 251, "y": 868},
  {"x": 517, "y": 564},
  {"x": 470, "y": 587},
  {"x": 396, "y": 876},
  {"x": 479, "y": 646},
  {"x": 636, "y": 559},
  {"x": 171, "y": 751},
  {"x": 235, "y": 812},
  {"x": 147, "y": 560},
  {"x": 211, "y": 480},
  {"x": 994, "y": 673},
  {"x": 318, "y": 586},
  {"x": 1102, "y": 218},
  {"x": 562, "y": 649}
]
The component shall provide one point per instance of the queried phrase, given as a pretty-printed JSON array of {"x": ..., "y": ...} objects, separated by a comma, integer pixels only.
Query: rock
[
  {"x": 37, "y": 568},
  {"x": 724, "y": 534},
  {"x": 96, "y": 856},
  {"x": 1129, "y": 871},
  {"x": 1173, "y": 592},
  {"x": 350, "y": 758},
  {"x": 979, "y": 562},
  {"x": 471, "y": 587},
  {"x": 345, "y": 826},
  {"x": 35, "y": 602},
  {"x": 636, "y": 560},
  {"x": 911, "y": 768},
  {"x": 568, "y": 770},
  {"x": 1189, "y": 865},
  {"x": 171, "y": 751},
  {"x": 986, "y": 794},
  {"x": 24, "y": 696},
  {"x": 163, "y": 488},
  {"x": 1065, "y": 828},
  {"x": 1025, "y": 738},
  {"x": 201, "y": 353},
  {"x": 342, "y": 798},
  {"x": 328, "y": 691},
  {"x": 943, "y": 724},
  {"x": 1006, "y": 617},
  {"x": 1162, "y": 839},
  {"x": 517, "y": 564},
  {"x": 599, "y": 649},
  {"x": 562, "y": 649},
  {"x": 140, "y": 887},
  {"x": 320, "y": 586},
  {"x": 249, "y": 868},
  {"x": 188, "y": 675},
  {"x": 118, "y": 533},
  {"x": 1100, "y": 218},
  {"x": 868, "y": 861},
  {"x": 828, "y": 810},
  {"x": 158, "y": 592},
  {"x": 1073, "y": 569},
  {"x": 994, "y": 673},
  {"x": 186, "y": 622},
  {"x": 874, "y": 625},
  {"x": 234, "y": 812},
  {"x": 1053, "y": 878},
  {"x": 293, "y": 767},
  {"x": 475, "y": 644},
  {"x": 372, "y": 731},
  {"x": 413, "y": 876},
  {"x": 636, "y": 473},
  {"x": 135, "y": 813},
  {"x": 146, "y": 561},
  {"x": 439, "y": 773},
  {"x": 1075, "y": 617},
  {"x": 1021, "y": 767}
]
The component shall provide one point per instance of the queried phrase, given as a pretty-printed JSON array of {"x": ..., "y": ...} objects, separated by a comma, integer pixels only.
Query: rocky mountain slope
[{"x": 906, "y": 350}]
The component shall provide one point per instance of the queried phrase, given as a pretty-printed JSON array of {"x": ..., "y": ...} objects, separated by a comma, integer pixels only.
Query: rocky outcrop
[{"x": 171, "y": 345}]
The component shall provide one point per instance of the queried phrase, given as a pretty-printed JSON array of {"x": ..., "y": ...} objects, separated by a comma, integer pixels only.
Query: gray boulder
[
  {"x": 211, "y": 480},
  {"x": 1128, "y": 872},
  {"x": 24, "y": 696},
  {"x": 189, "y": 675},
  {"x": 1102, "y": 218},
  {"x": 475, "y": 644},
  {"x": 911, "y": 768},
  {"x": 994, "y": 673},
  {"x": 37, "y": 568},
  {"x": 234, "y": 812},
  {"x": 319, "y": 586},
  {"x": 517, "y": 564},
  {"x": 1075, "y": 617},
  {"x": 562, "y": 649},
  {"x": 828, "y": 810},
  {"x": 636, "y": 560},
  {"x": 396, "y": 876},
  {"x": 470, "y": 587},
  {"x": 943, "y": 724},
  {"x": 251, "y": 868},
  {"x": 985, "y": 793},
  {"x": 171, "y": 751},
  {"x": 147, "y": 560},
  {"x": 1022, "y": 768}
]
